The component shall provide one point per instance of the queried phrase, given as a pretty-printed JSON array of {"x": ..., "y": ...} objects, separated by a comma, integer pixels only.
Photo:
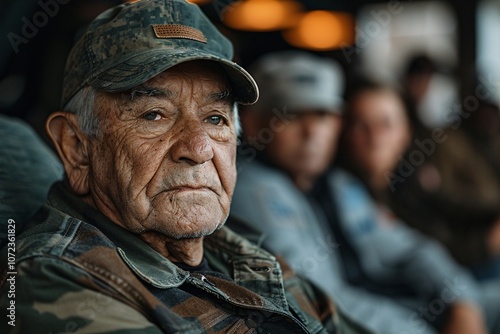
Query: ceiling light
[
  {"x": 262, "y": 15},
  {"x": 322, "y": 30}
]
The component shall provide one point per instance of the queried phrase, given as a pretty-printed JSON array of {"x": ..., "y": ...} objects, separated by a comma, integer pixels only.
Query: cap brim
[{"x": 140, "y": 68}]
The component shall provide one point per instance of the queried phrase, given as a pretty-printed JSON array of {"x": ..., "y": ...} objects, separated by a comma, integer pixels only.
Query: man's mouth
[{"x": 180, "y": 188}]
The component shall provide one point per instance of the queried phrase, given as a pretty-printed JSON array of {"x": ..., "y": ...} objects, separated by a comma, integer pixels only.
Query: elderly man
[
  {"x": 133, "y": 240},
  {"x": 323, "y": 221}
]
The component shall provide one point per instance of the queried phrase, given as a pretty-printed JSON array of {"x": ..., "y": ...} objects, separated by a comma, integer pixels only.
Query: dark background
[{"x": 31, "y": 76}]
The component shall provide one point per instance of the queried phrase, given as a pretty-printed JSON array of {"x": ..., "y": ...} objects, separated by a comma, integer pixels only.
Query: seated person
[
  {"x": 28, "y": 168},
  {"x": 483, "y": 129},
  {"x": 377, "y": 134},
  {"x": 134, "y": 240},
  {"x": 323, "y": 221}
]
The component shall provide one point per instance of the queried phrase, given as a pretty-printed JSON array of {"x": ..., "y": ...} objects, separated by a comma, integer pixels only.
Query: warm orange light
[
  {"x": 261, "y": 15},
  {"x": 322, "y": 30}
]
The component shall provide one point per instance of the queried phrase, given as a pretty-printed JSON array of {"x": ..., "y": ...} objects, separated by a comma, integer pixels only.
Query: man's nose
[
  {"x": 376, "y": 133},
  {"x": 310, "y": 125},
  {"x": 192, "y": 144}
]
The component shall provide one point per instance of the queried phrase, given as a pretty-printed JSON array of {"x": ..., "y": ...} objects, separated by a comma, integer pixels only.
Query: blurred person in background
[
  {"x": 483, "y": 129},
  {"x": 376, "y": 135},
  {"x": 323, "y": 220},
  {"x": 448, "y": 182},
  {"x": 430, "y": 90}
]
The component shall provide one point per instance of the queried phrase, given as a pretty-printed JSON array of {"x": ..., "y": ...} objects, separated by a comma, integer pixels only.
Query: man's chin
[
  {"x": 194, "y": 235},
  {"x": 195, "y": 232},
  {"x": 189, "y": 221}
]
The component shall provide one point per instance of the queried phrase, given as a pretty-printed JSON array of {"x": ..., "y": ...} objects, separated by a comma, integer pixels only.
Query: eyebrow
[
  {"x": 225, "y": 95},
  {"x": 137, "y": 93}
]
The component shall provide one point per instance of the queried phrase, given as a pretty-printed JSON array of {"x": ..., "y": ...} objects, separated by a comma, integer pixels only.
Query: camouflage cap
[{"x": 131, "y": 43}]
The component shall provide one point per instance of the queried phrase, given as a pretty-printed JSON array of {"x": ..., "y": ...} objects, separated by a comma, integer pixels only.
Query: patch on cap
[{"x": 178, "y": 31}]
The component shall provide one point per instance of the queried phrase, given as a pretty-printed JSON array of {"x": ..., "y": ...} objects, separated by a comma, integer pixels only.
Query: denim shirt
[
  {"x": 394, "y": 258},
  {"x": 79, "y": 272}
]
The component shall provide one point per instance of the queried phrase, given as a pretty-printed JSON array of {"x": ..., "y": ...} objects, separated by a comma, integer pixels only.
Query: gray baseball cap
[
  {"x": 131, "y": 43},
  {"x": 298, "y": 80}
]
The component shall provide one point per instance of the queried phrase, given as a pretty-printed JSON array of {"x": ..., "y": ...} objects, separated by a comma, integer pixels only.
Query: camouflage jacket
[{"x": 79, "y": 272}]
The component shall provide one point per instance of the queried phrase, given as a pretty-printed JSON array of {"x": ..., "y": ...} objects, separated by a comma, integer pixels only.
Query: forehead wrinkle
[
  {"x": 145, "y": 91},
  {"x": 158, "y": 87},
  {"x": 129, "y": 99}
]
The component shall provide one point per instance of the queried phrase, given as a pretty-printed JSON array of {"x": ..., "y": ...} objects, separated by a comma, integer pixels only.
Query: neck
[
  {"x": 187, "y": 251},
  {"x": 376, "y": 182},
  {"x": 304, "y": 183}
]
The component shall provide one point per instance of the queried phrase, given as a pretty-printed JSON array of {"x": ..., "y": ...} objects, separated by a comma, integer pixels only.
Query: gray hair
[
  {"x": 237, "y": 123},
  {"x": 82, "y": 105},
  {"x": 84, "y": 102}
]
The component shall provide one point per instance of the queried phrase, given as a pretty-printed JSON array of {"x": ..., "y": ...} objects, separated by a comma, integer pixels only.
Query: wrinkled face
[
  {"x": 304, "y": 145},
  {"x": 377, "y": 131},
  {"x": 165, "y": 159}
]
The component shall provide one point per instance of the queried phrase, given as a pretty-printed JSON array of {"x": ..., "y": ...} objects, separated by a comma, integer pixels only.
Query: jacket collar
[
  {"x": 250, "y": 266},
  {"x": 220, "y": 248}
]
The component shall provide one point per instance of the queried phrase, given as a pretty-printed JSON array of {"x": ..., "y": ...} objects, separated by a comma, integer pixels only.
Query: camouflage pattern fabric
[{"x": 79, "y": 272}]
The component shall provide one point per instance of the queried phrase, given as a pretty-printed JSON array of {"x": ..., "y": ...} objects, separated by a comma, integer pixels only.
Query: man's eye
[
  {"x": 152, "y": 116},
  {"x": 215, "y": 120}
]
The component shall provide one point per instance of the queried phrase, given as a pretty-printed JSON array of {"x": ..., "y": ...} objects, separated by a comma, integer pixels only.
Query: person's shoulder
[
  {"x": 20, "y": 140},
  {"x": 343, "y": 181},
  {"x": 341, "y": 176},
  {"x": 244, "y": 228},
  {"x": 28, "y": 168},
  {"x": 258, "y": 181},
  {"x": 52, "y": 233},
  {"x": 233, "y": 240},
  {"x": 12, "y": 125},
  {"x": 256, "y": 172}
]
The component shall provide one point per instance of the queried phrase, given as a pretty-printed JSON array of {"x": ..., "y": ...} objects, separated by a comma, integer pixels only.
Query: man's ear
[{"x": 72, "y": 146}]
